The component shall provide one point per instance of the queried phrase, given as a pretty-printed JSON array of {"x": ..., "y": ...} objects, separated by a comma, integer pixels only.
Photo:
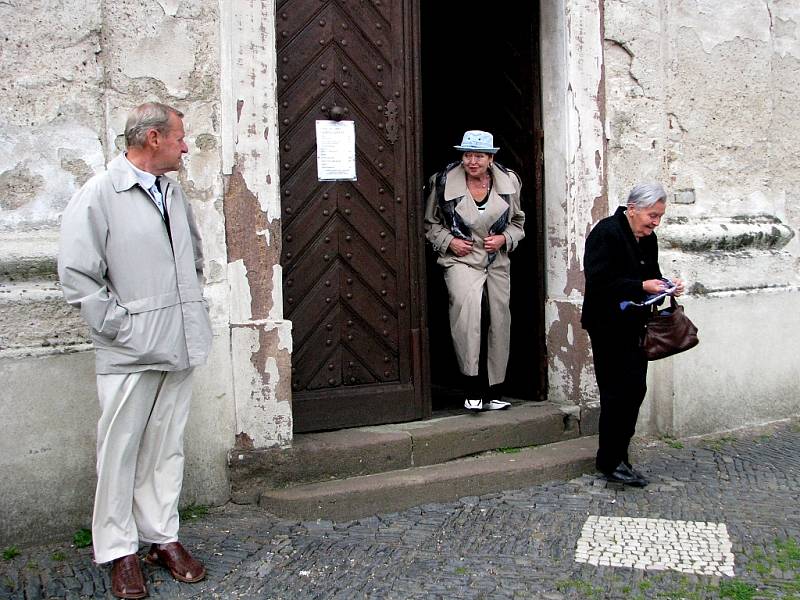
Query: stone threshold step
[
  {"x": 366, "y": 495},
  {"x": 315, "y": 457}
]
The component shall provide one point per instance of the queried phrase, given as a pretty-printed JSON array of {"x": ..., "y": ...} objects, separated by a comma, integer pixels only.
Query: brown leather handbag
[{"x": 668, "y": 331}]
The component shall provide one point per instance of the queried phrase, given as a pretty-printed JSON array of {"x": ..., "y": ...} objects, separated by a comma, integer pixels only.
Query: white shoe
[
  {"x": 496, "y": 405},
  {"x": 473, "y": 405}
]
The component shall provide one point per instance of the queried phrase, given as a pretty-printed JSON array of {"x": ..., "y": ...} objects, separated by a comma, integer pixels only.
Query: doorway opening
[{"x": 480, "y": 70}]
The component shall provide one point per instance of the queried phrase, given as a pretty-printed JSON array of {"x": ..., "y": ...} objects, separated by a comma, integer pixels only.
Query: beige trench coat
[
  {"x": 467, "y": 276},
  {"x": 140, "y": 295}
]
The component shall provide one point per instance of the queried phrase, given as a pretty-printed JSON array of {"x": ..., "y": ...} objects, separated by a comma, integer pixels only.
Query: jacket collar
[
  {"x": 479, "y": 222},
  {"x": 123, "y": 176},
  {"x": 622, "y": 220},
  {"x": 456, "y": 184}
]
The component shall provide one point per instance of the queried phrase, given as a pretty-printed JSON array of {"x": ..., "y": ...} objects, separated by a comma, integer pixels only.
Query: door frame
[
  {"x": 413, "y": 123},
  {"x": 574, "y": 194},
  {"x": 535, "y": 209}
]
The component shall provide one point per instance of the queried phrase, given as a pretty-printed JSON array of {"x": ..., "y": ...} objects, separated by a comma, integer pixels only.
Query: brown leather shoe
[
  {"x": 177, "y": 559},
  {"x": 127, "y": 580}
]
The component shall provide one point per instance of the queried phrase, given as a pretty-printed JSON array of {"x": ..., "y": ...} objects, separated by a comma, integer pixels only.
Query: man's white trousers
[{"x": 139, "y": 459}]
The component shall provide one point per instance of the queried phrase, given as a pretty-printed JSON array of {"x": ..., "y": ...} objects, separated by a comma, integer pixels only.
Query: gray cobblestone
[{"x": 516, "y": 544}]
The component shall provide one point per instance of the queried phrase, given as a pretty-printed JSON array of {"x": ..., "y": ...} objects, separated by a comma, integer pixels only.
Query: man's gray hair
[
  {"x": 143, "y": 118},
  {"x": 644, "y": 195}
]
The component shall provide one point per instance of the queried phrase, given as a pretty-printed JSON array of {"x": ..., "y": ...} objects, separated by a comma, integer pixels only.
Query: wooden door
[{"x": 350, "y": 249}]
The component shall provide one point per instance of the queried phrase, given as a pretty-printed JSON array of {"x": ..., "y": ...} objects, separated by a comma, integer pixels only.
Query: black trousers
[{"x": 621, "y": 370}]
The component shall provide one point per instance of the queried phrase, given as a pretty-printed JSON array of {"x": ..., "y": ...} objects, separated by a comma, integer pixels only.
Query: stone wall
[
  {"x": 701, "y": 95},
  {"x": 70, "y": 71}
]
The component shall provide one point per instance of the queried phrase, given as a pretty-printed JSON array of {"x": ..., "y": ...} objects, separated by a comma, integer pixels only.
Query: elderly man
[{"x": 131, "y": 261}]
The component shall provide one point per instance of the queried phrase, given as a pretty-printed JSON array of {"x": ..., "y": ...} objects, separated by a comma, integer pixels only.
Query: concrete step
[
  {"x": 319, "y": 457},
  {"x": 366, "y": 495}
]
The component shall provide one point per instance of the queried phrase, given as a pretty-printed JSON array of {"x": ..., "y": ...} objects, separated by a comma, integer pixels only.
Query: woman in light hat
[{"x": 473, "y": 220}]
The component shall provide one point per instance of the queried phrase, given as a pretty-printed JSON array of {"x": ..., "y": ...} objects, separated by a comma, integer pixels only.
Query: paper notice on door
[{"x": 336, "y": 150}]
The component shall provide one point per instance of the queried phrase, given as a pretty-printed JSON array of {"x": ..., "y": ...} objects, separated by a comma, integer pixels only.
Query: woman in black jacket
[{"x": 621, "y": 264}]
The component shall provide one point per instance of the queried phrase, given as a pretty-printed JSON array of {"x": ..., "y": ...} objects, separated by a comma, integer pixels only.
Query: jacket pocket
[
  {"x": 153, "y": 332},
  {"x": 141, "y": 305},
  {"x": 105, "y": 318},
  {"x": 154, "y": 337},
  {"x": 140, "y": 327}
]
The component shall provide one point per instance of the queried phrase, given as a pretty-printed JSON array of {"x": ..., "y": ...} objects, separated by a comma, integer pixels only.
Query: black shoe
[
  {"x": 623, "y": 474},
  {"x": 637, "y": 473}
]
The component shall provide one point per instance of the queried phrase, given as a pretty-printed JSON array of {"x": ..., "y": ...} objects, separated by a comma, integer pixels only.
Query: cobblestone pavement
[{"x": 712, "y": 504}]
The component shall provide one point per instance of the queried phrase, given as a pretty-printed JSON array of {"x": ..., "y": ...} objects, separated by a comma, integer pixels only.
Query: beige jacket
[
  {"x": 467, "y": 276},
  {"x": 479, "y": 222},
  {"x": 140, "y": 294}
]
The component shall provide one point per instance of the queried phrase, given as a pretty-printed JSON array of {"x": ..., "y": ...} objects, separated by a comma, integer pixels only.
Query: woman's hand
[
  {"x": 460, "y": 247},
  {"x": 656, "y": 286},
  {"x": 493, "y": 243},
  {"x": 653, "y": 286}
]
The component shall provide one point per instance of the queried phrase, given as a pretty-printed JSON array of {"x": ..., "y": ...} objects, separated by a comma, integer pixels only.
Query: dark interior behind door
[{"x": 480, "y": 71}]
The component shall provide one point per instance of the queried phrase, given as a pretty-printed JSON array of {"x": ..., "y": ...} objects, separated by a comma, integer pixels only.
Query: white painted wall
[
  {"x": 738, "y": 376},
  {"x": 701, "y": 95},
  {"x": 696, "y": 95}
]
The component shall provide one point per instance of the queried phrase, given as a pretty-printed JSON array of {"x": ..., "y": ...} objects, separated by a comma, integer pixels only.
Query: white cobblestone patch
[{"x": 656, "y": 545}]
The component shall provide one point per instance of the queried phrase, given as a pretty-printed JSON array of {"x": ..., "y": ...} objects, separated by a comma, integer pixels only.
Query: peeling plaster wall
[
  {"x": 572, "y": 108},
  {"x": 701, "y": 95},
  {"x": 70, "y": 71},
  {"x": 260, "y": 337},
  {"x": 51, "y": 111}
]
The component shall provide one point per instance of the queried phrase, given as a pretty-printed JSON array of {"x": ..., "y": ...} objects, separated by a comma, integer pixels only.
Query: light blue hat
[{"x": 477, "y": 141}]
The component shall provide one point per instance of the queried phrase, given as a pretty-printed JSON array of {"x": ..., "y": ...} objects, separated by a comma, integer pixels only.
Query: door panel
[{"x": 350, "y": 249}]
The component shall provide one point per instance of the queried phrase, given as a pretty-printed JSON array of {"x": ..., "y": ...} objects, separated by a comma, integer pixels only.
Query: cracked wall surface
[
  {"x": 701, "y": 95},
  {"x": 573, "y": 106},
  {"x": 260, "y": 336},
  {"x": 69, "y": 72}
]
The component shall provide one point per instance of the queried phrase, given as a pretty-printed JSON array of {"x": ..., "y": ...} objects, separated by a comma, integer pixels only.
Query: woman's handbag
[{"x": 668, "y": 331}]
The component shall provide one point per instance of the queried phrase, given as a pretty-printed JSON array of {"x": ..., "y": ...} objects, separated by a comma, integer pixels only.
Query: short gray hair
[
  {"x": 644, "y": 195},
  {"x": 147, "y": 116}
]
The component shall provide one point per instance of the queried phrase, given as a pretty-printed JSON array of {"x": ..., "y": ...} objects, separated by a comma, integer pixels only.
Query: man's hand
[
  {"x": 460, "y": 247},
  {"x": 493, "y": 243}
]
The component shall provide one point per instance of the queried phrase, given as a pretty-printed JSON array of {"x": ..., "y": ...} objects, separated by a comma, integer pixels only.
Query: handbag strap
[{"x": 654, "y": 310}]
